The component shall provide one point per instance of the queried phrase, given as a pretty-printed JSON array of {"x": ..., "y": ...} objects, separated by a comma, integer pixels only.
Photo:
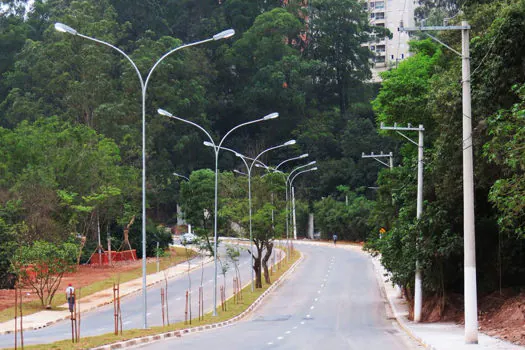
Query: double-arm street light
[
  {"x": 286, "y": 182},
  {"x": 216, "y": 149},
  {"x": 293, "y": 197},
  {"x": 249, "y": 168},
  {"x": 144, "y": 85}
]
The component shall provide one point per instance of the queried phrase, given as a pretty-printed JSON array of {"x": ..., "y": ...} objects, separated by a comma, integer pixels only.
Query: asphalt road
[
  {"x": 101, "y": 321},
  {"x": 332, "y": 301}
]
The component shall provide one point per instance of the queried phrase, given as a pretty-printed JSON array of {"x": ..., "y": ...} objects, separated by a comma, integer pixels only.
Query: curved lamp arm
[
  {"x": 168, "y": 114},
  {"x": 288, "y": 160},
  {"x": 299, "y": 173}
]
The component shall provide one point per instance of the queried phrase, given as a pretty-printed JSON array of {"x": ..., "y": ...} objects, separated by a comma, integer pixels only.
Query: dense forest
[{"x": 70, "y": 125}]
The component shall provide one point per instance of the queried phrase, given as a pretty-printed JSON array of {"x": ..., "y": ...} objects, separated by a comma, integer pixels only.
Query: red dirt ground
[
  {"x": 500, "y": 315},
  {"x": 84, "y": 275}
]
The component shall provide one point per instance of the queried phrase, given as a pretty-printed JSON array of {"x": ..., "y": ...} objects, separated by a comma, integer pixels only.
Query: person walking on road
[
  {"x": 335, "y": 239},
  {"x": 70, "y": 296}
]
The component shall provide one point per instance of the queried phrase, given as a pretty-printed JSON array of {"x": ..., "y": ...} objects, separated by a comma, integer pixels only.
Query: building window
[
  {"x": 380, "y": 15},
  {"x": 379, "y": 5}
]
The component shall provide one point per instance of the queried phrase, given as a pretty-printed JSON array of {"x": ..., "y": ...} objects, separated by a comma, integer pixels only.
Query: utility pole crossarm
[
  {"x": 381, "y": 155},
  {"x": 398, "y": 129}
]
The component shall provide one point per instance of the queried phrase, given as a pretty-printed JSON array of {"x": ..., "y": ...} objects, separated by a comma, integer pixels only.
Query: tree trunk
[
  {"x": 269, "y": 248},
  {"x": 257, "y": 266}
]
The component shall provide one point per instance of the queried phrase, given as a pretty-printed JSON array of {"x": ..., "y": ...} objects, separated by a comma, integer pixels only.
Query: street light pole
[
  {"x": 216, "y": 149},
  {"x": 286, "y": 188},
  {"x": 418, "y": 286},
  {"x": 144, "y": 85},
  {"x": 293, "y": 198},
  {"x": 249, "y": 170},
  {"x": 469, "y": 231}
]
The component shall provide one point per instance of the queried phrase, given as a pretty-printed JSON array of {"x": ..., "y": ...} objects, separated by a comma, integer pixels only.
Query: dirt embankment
[{"x": 500, "y": 315}]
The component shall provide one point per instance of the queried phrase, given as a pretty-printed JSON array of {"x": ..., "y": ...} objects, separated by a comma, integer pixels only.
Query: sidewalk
[
  {"x": 439, "y": 335},
  {"x": 46, "y": 318}
]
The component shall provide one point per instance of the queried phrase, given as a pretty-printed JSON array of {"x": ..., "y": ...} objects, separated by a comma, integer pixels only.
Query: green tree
[
  {"x": 506, "y": 149},
  {"x": 41, "y": 266},
  {"x": 338, "y": 30}
]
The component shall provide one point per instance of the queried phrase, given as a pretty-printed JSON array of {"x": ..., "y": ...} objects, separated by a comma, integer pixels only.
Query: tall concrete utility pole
[
  {"x": 469, "y": 232},
  {"x": 418, "y": 288}
]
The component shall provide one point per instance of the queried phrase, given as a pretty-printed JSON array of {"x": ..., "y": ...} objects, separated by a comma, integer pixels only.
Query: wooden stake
[
  {"x": 16, "y": 316},
  {"x": 119, "y": 309},
  {"x": 186, "y": 310},
  {"x": 166, "y": 301},
  {"x": 21, "y": 319},
  {"x": 115, "y": 315},
  {"x": 162, "y": 305},
  {"x": 78, "y": 315}
]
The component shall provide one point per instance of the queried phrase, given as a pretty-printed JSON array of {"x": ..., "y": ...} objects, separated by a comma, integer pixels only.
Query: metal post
[
  {"x": 293, "y": 213},
  {"x": 250, "y": 218},
  {"x": 215, "y": 232},
  {"x": 471, "y": 307},
  {"x": 144, "y": 281},
  {"x": 287, "y": 211}
]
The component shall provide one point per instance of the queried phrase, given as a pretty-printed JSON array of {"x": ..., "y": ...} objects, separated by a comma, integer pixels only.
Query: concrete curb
[
  {"x": 391, "y": 307},
  {"x": 106, "y": 302},
  {"x": 181, "y": 332}
]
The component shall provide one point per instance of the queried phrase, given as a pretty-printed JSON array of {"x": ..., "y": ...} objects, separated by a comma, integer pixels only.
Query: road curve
[{"x": 331, "y": 301}]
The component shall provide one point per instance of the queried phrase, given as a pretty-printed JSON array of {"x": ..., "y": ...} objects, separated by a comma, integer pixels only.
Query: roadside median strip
[{"x": 234, "y": 314}]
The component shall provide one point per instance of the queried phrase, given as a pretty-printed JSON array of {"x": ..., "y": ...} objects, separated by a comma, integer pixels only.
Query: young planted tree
[
  {"x": 234, "y": 254},
  {"x": 41, "y": 266}
]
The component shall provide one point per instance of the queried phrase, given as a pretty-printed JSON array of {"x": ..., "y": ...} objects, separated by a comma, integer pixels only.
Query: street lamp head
[
  {"x": 289, "y": 143},
  {"x": 225, "y": 34},
  {"x": 239, "y": 155},
  {"x": 312, "y": 162},
  {"x": 260, "y": 166},
  {"x": 303, "y": 155},
  {"x": 315, "y": 168},
  {"x": 208, "y": 143},
  {"x": 61, "y": 27},
  {"x": 271, "y": 116},
  {"x": 164, "y": 112}
]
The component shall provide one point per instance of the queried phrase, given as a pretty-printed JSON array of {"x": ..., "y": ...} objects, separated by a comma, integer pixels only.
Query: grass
[
  {"x": 233, "y": 309},
  {"x": 177, "y": 255}
]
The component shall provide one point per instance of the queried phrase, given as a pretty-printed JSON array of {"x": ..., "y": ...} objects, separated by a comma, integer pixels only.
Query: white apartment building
[{"x": 390, "y": 14}]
